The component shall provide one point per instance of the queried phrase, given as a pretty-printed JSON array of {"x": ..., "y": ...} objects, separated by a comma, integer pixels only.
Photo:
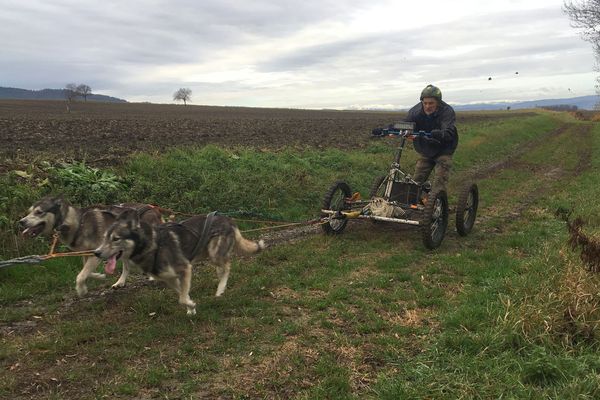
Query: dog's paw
[
  {"x": 81, "y": 290},
  {"x": 96, "y": 275},
  {"x": 118, "y": 285},
  {"x": 191, "y": 311}
]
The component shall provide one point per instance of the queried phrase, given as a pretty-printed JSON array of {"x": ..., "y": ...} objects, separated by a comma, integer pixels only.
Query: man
[{"x": 435, "y": 116}]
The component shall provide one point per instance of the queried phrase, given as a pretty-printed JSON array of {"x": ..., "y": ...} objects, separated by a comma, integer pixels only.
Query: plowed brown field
[{"x": 105, "y": 132}]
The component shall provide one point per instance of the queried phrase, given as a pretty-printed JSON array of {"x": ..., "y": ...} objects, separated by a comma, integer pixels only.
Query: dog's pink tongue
[{"x": 110, "y": 265}]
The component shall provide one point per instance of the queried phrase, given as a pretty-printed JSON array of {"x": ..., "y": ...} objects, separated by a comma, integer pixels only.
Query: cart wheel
[
  {"x": 378, "y": 187},
  {"x": 466, "y": 209},
  {"x": 435, "y": 219},
  {"x": 335, "y": 200}
]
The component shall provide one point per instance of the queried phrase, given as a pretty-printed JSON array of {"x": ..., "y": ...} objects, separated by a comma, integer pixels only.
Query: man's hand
[
  {"x": 377, "y": 132},
  {"x": 431, "y": 140},
  {"x": 437, "y": 135}
]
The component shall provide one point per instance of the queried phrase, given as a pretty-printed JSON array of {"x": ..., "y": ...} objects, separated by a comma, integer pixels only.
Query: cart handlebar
[{"x": 407, "y": 133}]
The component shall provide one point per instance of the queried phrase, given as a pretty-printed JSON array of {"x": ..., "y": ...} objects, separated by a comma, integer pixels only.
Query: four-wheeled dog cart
[{"x": 397, "y": 198}]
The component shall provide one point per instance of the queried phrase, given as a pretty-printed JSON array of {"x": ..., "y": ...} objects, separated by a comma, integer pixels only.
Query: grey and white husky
[
  {"x": 81, "y": 229},
  {"x": 168, "y": 251}
]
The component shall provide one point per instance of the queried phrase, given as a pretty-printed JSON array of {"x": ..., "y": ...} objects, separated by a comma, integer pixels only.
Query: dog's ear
[
  {"x": 131, "y": 217},
  {"x": 54, "y": 204},
  {"x": 59, "y": 198},
  {"x": 134, "y": 222},
  {"x": 62, "y": 203}
]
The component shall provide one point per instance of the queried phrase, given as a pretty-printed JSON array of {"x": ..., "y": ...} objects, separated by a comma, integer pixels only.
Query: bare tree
[
  {"x": 183, "y": 94},
  {"x": 585, "y": 15},
  {"x": 70, "y": 92},
  {"x": 84, "y": 91}
]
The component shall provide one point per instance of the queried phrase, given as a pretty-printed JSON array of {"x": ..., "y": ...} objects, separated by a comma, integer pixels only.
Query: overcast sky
[{"x": 306, "y": 54}]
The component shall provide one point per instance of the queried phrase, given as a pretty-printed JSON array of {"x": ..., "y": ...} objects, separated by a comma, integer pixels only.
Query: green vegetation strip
[{"x": 368, "y": 314}]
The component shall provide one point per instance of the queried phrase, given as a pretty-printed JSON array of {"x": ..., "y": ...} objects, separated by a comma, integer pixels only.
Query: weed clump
[
  {"x": 590, "y": 246},
  {"x": 560, "y": 303}
]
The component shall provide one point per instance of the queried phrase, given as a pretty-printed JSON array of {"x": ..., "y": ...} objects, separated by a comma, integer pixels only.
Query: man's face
[{"x": 430, "y": 104}]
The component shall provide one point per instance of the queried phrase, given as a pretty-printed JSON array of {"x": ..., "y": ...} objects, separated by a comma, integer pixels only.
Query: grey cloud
[
  {"x": 314, "y": 55},
  {"x": 397, "y": 47},
  {"x": 72, "y": 38},
  {"x": 106, "y": 44},
  {"x": 170, "y": 30}
]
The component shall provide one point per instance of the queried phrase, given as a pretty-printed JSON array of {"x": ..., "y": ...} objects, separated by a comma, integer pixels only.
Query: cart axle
[{"x": 357, "y": 215}]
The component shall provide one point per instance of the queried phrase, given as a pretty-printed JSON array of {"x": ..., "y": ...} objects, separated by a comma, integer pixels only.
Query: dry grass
[
  {"x": 590, "y": 246},
  {"x": 563, "y": 309},
  {"x": 578, "y": 295}
]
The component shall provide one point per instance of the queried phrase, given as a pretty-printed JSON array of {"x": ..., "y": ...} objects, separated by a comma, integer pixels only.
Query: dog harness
[{"x": 205, "y": 237}]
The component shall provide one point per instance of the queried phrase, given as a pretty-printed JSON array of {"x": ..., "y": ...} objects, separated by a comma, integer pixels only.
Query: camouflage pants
[{"x": 442, "y": 165}]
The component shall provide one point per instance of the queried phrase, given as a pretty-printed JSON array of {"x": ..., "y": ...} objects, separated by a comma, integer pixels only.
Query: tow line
[{"x": 37, "y": 259}]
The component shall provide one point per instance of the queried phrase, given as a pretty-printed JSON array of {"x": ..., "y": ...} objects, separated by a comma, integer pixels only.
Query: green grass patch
[{"x": 366, "y": 314}]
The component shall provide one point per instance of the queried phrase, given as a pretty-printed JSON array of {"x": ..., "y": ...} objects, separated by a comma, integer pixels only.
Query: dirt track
[{"x": 106, "y": 132}]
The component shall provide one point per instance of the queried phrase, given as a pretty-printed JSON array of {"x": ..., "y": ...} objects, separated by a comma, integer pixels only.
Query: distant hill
[
  {"x": 582, "y": 102},
  {"x": 49, "y": 94}
]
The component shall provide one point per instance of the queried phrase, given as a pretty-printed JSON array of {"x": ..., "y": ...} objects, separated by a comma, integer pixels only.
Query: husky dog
[
  {"x": 81, "y": 229},
  {"x": 168, "y": 251}
]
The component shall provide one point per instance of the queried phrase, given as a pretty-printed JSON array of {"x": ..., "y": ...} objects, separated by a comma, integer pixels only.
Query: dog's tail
[{"x": 245, "y": 246}]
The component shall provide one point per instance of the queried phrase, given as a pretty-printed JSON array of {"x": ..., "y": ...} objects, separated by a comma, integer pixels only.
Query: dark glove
[
  {"x": 431, "y": 140},
  {"x": 427, "y": 146},
  {"x": 437, "y": 135},
  {"x": 377, "y": 132}
]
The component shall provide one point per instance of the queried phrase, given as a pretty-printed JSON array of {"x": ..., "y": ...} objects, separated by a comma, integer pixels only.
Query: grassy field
[{"x": 507, "y": 312}]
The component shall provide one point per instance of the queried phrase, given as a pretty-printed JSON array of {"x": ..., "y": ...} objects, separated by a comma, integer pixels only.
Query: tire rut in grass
[
  {"x": 542, "y": 174},
  {"x": 488, "y": 170}
]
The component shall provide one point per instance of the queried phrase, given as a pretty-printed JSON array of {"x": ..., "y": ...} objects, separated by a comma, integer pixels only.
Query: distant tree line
[
  {"x": 560, "y": 107},
  {"x": 73, "y": 90},
  {"x": 49, "y": 94}
]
